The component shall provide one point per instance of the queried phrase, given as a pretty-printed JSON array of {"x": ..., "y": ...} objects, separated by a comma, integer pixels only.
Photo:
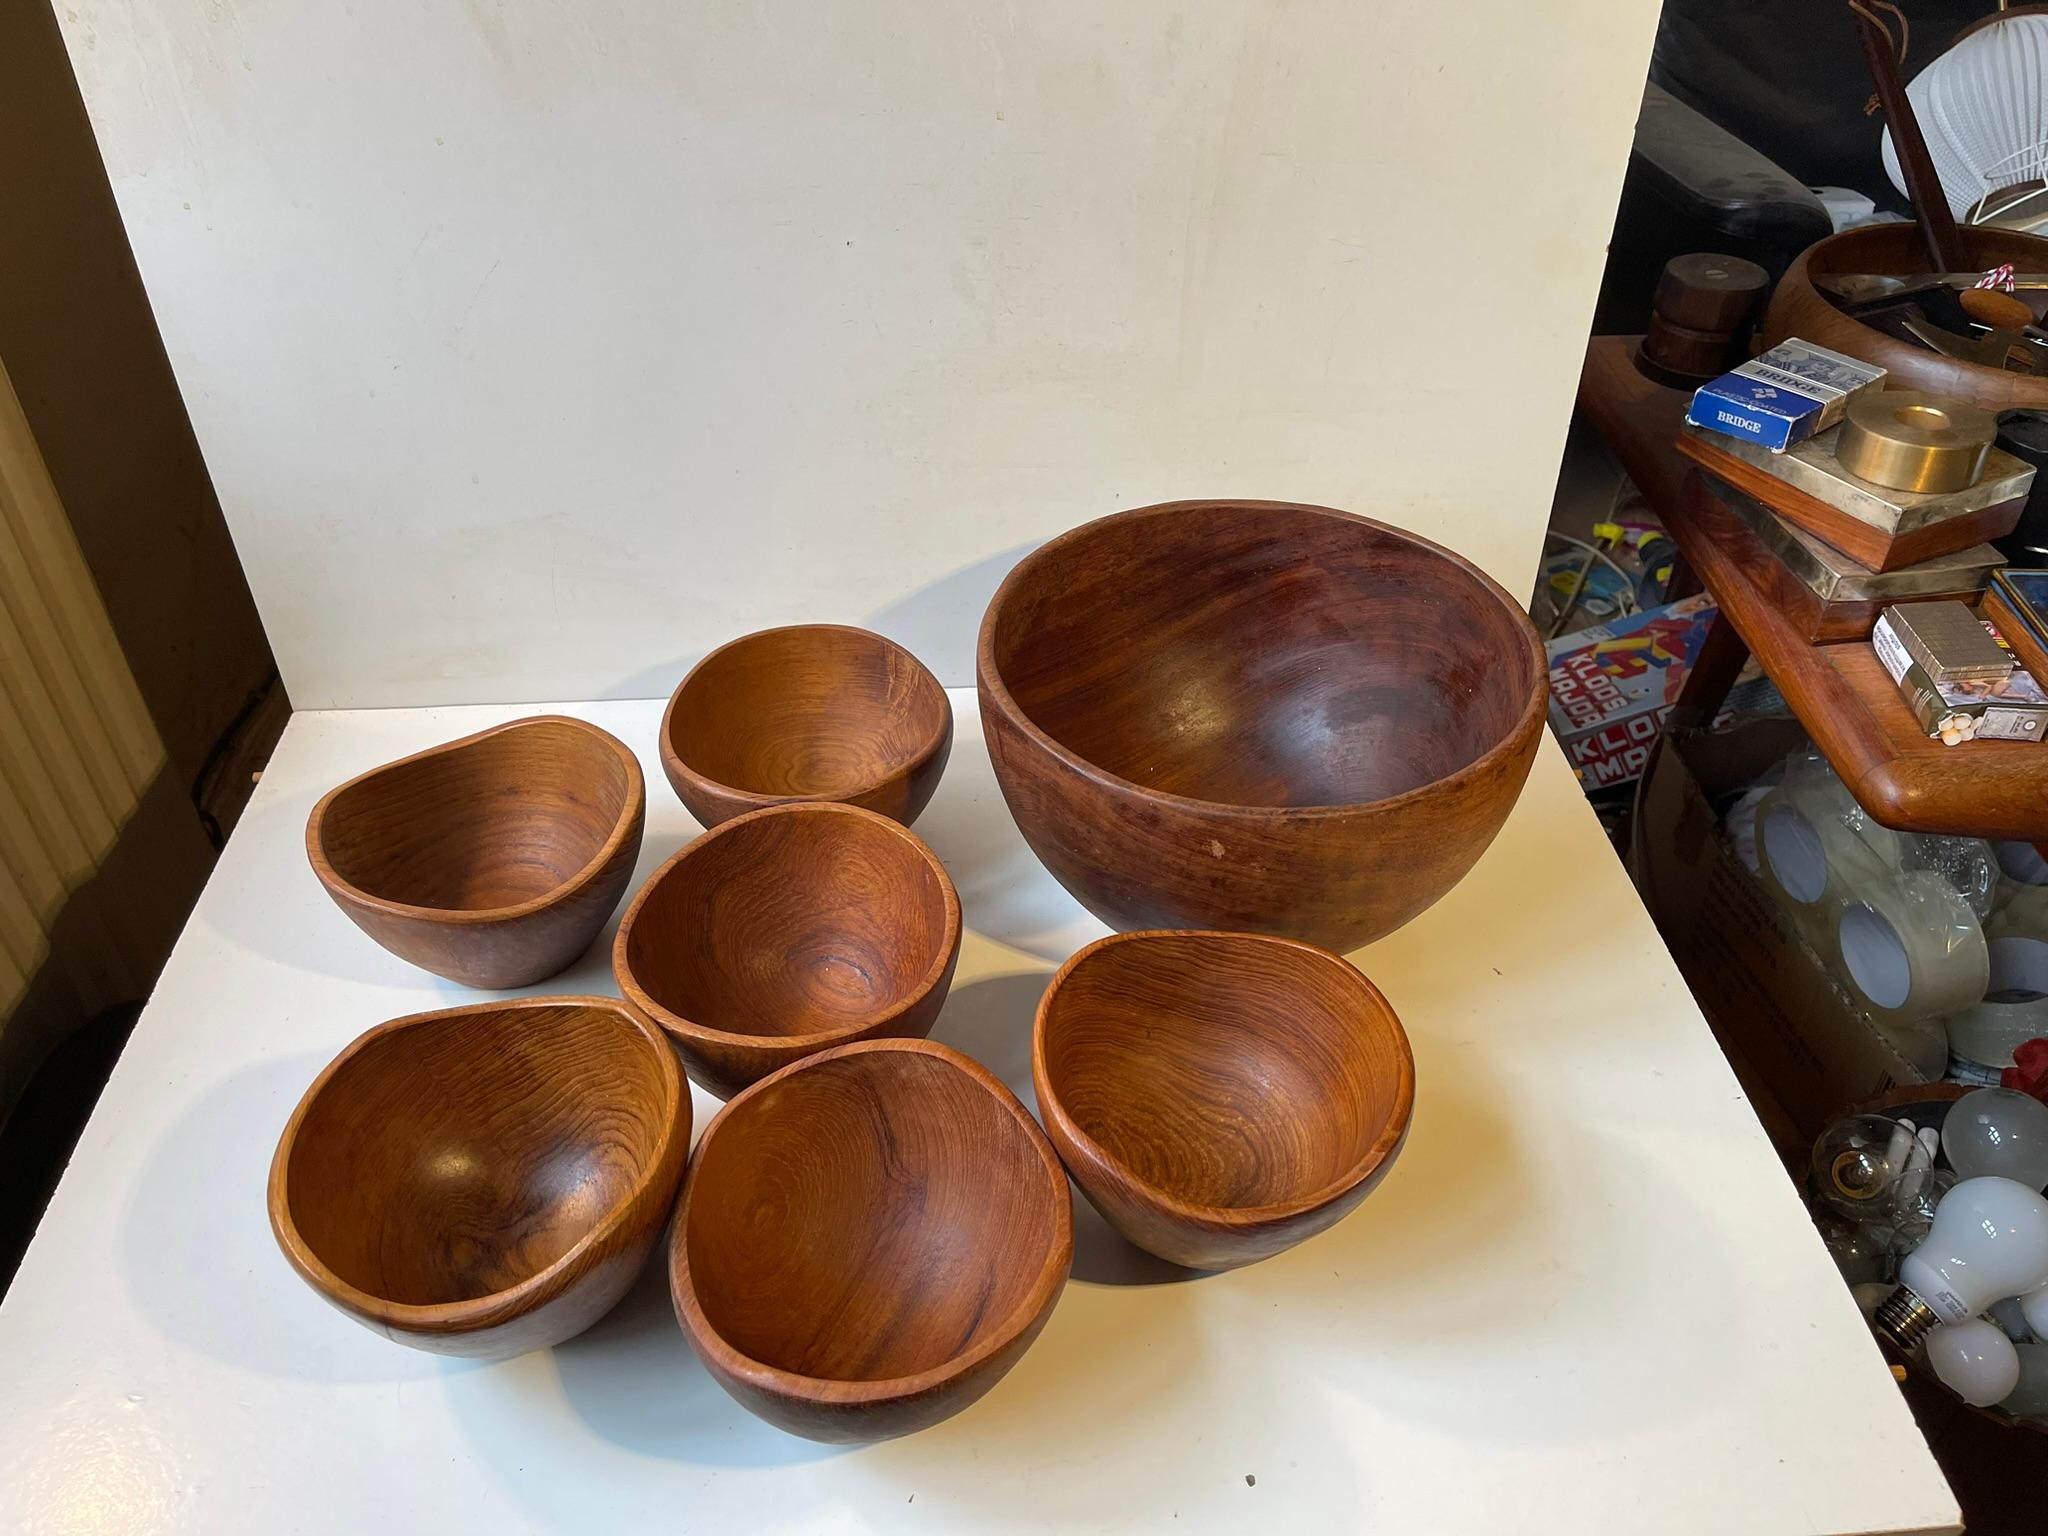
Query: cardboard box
[
  {"x": 1802, "y": 1052},
  {"x": 1612, "y": 685}
]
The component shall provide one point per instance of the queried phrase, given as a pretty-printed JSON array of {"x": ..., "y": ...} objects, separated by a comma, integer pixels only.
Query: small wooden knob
[{"x": 1706, "y": 291}]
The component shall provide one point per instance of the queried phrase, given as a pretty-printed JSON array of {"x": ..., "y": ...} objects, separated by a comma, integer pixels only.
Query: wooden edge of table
[{"x": 1851, "y": 707}]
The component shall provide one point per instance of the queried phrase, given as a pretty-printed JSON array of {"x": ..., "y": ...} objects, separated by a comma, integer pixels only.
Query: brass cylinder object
[{"x": 1915, "y": 442}]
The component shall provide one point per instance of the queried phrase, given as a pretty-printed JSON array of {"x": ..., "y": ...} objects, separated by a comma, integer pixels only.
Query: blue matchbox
[{"x": 1783, "y": 397}]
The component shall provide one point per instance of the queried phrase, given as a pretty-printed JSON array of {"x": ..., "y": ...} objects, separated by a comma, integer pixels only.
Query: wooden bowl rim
[
  {"x": 478, "y": 1312},
  {"x": 673, "y": 761},
  {"x": 838, "y": 1391},
  {"x": 691, "y": 1032},
  {"x": 622, "y": 829},
  {"x": 1232, "y": 1217},
  {"x": 994, "y": 690}
]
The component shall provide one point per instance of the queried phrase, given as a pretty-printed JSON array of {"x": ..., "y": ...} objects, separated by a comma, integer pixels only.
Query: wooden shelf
[{"x": 1838, "y": 690}]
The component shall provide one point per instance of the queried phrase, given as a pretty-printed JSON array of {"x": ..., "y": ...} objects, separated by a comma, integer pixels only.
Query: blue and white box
[{"x": 1783, "y": 397}]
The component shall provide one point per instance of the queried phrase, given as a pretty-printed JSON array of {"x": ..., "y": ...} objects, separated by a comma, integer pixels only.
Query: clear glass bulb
[
  {"x": 1975, "y": 1361},
  {"x": 1862, "y": 1253},
  {"x": 1998, "y": 1133},
  {"x": 2029, "y": 1398},
  {"x": 1853, "y": 1168},
  {"x": 1915, "y": 1199},
  {"x": 1989, "y": 1241}
]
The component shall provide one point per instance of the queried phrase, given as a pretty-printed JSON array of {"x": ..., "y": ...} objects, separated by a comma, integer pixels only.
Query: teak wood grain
[
  {"x": 1219, "y": 1097},
  {"x": 808, "y": 712},
  {"x": 868, "y": 1240},
  {"x": 492, "y": 860},
  {"x": 484, "y": 1180},
  {"x": 1800, "y": 309},
  {"x": 1860, "y": 541},
  {"x": 1851, "y": 707},
  {"x": 786, "y": 931},
  {"x": 1257, "y": 716}
]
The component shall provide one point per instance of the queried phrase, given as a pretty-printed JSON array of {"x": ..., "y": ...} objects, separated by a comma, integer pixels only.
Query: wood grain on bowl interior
[
  {"x": 807, "y": 712},
  {"x": 488, "y": 1179},
  {"x": 1798, "y": 309},
  {"x": 492, "y": 860},
  {"x": 1257, "y": 716},
  {"x": 1220, "y": 1096},
  {"x": 786, "y": 931},
  {"x": 868, "y": 1240}
]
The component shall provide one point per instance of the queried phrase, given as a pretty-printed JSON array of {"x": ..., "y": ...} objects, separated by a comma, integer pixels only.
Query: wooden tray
[{"x": 1873, "y": 546}]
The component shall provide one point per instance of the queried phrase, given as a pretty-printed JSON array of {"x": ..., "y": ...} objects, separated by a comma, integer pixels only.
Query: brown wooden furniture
[
  {"x": 1700, "y": 315},
  {"x": 1839, "y": 691},
  {"x": 484, "y": 1180},
  {"x": 868, "y": 1240},
  {"x": 1258, "y": 716},
  {"x": 493, "y": 860},
  {"x": 810, "y": 712},
  {"x": 786, "y": 931},
  {"x": 1874, "y": 547},
  {"x": 2018, "y": 638},
  {"x": 1800, "y": 309},
  {"x": 1219, "y": 1097}
]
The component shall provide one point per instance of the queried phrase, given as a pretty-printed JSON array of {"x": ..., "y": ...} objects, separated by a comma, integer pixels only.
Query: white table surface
[{"x": 1585, "y": 1300}]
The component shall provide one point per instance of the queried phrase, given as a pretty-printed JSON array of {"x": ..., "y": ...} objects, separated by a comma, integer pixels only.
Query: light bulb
[
  {"x": 1989, "y": 1241},
  {"x": 1862, "y": 1253},
  {"x": 1915, "y": 1199},
  {"x": 2029, "y": 1399},
  {"x": 1854, "y": 1167},
  {"x": 2034, "y": 1309},
  {"x": 1975, "y": 1361},
  {"x": 1998, "y": 1132},
  {"x": 2011, "y": 1321}
]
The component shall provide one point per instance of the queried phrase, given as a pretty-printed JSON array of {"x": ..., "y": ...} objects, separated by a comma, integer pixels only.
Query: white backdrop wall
[{"x": 537, "y": 346}]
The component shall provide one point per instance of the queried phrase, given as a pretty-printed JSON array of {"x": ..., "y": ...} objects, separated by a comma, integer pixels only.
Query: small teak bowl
[
  {"x": 492, "y": 860},
  {"x": 808, "y": 712},
  {"x": 868, "y": 1240},
  {"x": 786, "y": 931},
  {"x": 484, "y": 1180},
  {"x": 1220, "y": 1096}
]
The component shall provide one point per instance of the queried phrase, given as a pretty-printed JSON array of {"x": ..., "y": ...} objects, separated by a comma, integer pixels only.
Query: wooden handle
[{"x": 1930, "y": 203}]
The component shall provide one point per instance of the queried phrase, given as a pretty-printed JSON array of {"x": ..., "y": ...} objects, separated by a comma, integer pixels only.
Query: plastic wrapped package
[
  {"x": 1905, "y": 940},
  {"x": 1971, "y": 866},
  {"x": 2014, "y": 1008}
]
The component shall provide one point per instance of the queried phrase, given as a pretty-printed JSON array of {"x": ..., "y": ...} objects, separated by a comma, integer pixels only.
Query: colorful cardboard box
[{"x": 1612, "y": 685}]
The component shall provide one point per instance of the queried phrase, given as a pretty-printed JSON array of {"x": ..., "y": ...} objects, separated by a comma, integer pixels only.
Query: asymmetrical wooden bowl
[
  {"x": 484, "y": 1180},
  {"x": 1257, "y": 716},
  {"x": 493, "y": 860},
  {"x": 868, "y": 1240},
  {"x": 1220, "y": 1096},
  {"x": 810, "y": 712},
  {"x": 1798, "y": 308},
  {"x": 787, "y": 931}
]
